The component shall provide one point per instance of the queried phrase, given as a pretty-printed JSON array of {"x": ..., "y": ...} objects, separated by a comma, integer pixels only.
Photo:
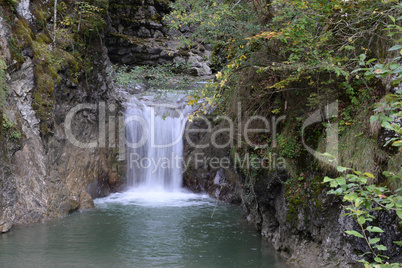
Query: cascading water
[{"x": 154, "y": 146}]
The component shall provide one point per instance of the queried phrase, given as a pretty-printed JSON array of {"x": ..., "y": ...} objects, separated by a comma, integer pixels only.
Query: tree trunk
[{"x": 55, "y": 24}]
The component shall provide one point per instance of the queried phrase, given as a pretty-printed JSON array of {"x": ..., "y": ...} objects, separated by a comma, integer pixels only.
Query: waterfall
[{"x": 154, "y": 146}]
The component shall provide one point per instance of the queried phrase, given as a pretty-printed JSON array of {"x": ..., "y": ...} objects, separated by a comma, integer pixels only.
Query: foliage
[
  {"x": 11, "y": 130},
  {"x": 390, "y": 115},
  {"x": 361, "y": 201},
  {"x": 84, "y": 18},
  {"x": 220, "y": 23},
  {"x": 10, "y": 3},
  {"x": 78, "y": 24},
  {"x": 160, "y": 78},
  {"x": 313, "y": 42},
  {"x": 288, "y": 147}
]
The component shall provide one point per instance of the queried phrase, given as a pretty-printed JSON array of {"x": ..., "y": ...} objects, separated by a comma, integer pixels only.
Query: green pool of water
[{"x": 141, "y": 229}]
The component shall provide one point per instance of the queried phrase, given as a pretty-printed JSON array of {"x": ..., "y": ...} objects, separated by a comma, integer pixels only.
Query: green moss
[
  {"x": 11, "y": 130},
  {"x": 360, "y": 152},
  {"x": 43, "y": 38},
  {"x": 395, "y": 170},
  {"x": 49, "y": 62},
  {"x": 9, "y": 3},
  {"x": 23, "y": 34},
  {"x": 21, "y": 38},
  {"x": 303, "y": 192}
]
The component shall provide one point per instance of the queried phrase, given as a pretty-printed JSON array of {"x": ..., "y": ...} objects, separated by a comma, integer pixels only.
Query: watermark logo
[{"x": 162, "y": 129}]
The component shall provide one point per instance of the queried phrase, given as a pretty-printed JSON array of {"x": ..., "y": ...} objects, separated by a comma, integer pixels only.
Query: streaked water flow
[{"x": 155, "y": 146}]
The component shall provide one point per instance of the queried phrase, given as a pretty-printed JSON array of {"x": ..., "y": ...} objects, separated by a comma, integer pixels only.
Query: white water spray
[{"x": 154, "y": 147}]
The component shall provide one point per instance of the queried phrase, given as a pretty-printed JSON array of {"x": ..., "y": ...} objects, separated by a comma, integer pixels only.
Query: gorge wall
[
  {"x": 48, "y": 71},
  {"x": 297, "y": 215},
  {"x": 42, "y": 173}
]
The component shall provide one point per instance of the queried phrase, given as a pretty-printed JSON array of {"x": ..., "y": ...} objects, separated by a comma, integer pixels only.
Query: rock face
[
  {"x": 50, "y": 176},
  {"x": 310, "y": 233},
  {"x": 138, "y": 35}
]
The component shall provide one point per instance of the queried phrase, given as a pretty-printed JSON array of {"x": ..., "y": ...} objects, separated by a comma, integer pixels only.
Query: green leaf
[
  {"x": 374, "y": 229},
  {"x": 342, "y": 169},
  {"x": 399, "y": 243},
  {"x": 354, "y": 233},
  {"x": 373, "y": 118},
  {"x": 358, "y": 202},
  {"x": 341, "y": 181},
  {"x": 350, "y": 197},
  {"x": 380, "y": 247},
  {"x": 374, "y": 240},
  {"x": 396, "y": 47},
  {"x": 339, "y": 191},
  {"x": 392, "y": 18},
  {"x": 397, "y": 143},
  {"x": 399, "y": 213},
  {"x": 361, "y": 220},
  {"x": 368, "y": 205},
  {"x": 377, "y": 259},
  {"x": 327, "y": 179}
]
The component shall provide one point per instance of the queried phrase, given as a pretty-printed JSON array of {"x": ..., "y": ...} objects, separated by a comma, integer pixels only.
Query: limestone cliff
[{"x": 43, "y": 173}]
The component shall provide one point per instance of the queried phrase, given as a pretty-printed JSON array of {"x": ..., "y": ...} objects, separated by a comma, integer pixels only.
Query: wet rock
[
  {"x": 154, "y": 25},
  {"x": 174, "y": 33},
  {"x": 151, "y": 12},
  {"x": 140, "y": 14},
  {"x": 198, "y": 66},
  {"x": 158, "y": 34},
  {"x": 144, "y": 32}
]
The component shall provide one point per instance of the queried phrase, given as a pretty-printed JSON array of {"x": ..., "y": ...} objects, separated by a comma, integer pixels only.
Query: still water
[{"x": 141, "y": 229}]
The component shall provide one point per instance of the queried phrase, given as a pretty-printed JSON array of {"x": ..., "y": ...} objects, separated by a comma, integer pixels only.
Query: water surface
[{"x": 141, "y": 229}]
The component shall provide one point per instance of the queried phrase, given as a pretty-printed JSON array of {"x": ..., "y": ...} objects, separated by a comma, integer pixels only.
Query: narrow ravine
[{"x": 155, "y": 223}]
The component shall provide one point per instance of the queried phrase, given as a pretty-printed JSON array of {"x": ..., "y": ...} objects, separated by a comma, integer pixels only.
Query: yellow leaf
[
  {"x": 397, "y": 143},
  {"x": 369, "y": 175}
]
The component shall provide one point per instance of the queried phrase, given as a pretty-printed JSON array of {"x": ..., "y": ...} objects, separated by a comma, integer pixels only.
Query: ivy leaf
[
  {"x": 354, "y": 233},
  {"x": 341, "y": 181},
  {"x": 399, "y": 243},
  {"x": 375, "y": 229}
]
